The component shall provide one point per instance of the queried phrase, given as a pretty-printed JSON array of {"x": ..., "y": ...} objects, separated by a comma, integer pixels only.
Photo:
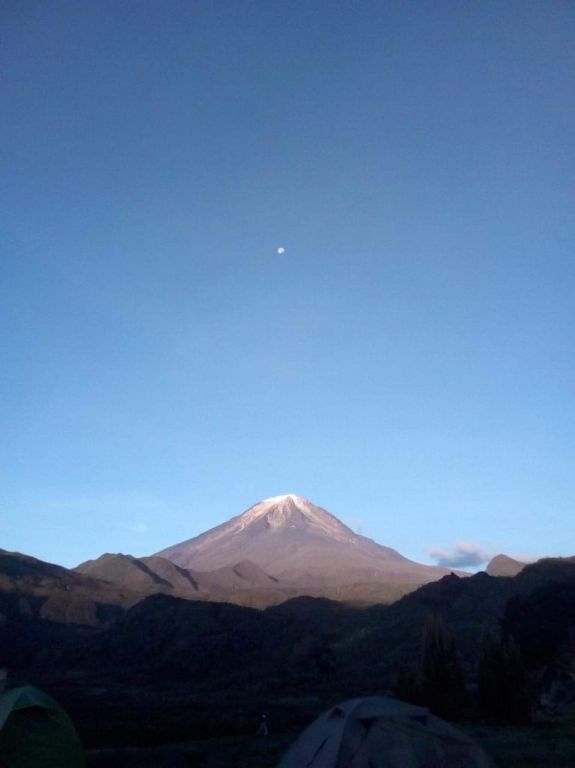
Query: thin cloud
[
  {"x": 139, "y": 527},
  {"x": 462, "y": 554}
]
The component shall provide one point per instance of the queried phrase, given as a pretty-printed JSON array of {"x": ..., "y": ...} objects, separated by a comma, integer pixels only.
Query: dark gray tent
[
  {"x": 380, "y": 732},
  {"x": 35, "y": 732}
]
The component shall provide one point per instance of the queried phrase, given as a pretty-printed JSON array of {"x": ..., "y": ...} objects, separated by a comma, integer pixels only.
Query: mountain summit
[
  {"x": 289, "y": 512},
  {"x": 298, "y": 542}
]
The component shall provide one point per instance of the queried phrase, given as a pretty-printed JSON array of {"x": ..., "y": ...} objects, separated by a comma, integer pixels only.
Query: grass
[
  {"x": 233, "y": 752},
  {"x": 541, "y": 745}
]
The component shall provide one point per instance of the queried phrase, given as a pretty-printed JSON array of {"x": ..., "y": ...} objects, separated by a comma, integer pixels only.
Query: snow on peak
[
  {"x": 288, "y": 511},
  {"x": 283, "y": 497},
  {"x": 277, "y": 504}
]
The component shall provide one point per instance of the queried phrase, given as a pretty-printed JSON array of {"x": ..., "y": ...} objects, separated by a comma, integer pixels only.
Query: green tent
[{"x": 35, "y": 732}]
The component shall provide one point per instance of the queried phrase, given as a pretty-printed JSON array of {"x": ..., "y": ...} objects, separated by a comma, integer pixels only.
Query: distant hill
[
  {"x": 148, "y": 575},
  {"x": 157, "y": 574},
  {"x": 35, "y": 589},
  {"x": 503, "y": 565},
  {"x": 541, "y": 618}
]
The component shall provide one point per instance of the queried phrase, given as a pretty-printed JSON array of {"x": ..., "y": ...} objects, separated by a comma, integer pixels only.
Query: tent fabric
[
  {"x": 35, "y": 732},
  {"x": 21, "y": 698},
  {"x": 381, "y": 732}
]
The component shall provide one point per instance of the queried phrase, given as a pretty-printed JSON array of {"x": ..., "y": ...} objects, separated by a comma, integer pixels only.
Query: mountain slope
[
  {"x": 32, "y": 589},
  {"x": 125, "y": 570},
  {"x": 150, "y": 575},
  {"x": 296, "y": 541}
]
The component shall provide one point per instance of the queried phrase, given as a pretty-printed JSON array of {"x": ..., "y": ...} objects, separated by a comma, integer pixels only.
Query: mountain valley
[{"x": 282, "y": 609}]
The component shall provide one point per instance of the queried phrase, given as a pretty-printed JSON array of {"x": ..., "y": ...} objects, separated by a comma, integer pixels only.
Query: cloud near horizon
[{"x": 462, "y": 554}]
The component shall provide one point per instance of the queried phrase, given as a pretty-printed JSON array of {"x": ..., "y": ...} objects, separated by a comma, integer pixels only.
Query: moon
[{"x": 281, "y": 251}]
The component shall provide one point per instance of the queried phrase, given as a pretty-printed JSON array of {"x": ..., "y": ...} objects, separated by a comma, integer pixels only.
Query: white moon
[{"x": 281, "y": 251}]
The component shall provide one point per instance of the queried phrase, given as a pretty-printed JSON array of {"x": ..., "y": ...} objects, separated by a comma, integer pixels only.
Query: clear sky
[{"x": 407, "y": 363}]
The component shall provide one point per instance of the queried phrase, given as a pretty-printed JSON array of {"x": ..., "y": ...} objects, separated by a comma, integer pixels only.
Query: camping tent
[
  {"x": 380, "y": 732},
  {"x": 35, "y": 732}
]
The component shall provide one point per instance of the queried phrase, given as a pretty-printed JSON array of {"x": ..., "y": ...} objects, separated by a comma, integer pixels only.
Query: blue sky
[{"x": 407, "y": 364}]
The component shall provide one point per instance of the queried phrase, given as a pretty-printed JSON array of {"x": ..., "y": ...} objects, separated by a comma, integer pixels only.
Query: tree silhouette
[
  {"x": 407, "y": 686},
  {"x": 442, "y": 681},
  {"x": 503, "y": 683}
]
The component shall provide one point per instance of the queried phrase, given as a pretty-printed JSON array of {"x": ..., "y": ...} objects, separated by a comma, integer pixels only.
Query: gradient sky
[{"x": 408, "y": 363}]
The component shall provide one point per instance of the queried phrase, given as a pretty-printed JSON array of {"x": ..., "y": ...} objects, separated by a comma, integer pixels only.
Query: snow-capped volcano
[
  {"x": 291, "y": 511},
  {"x": 294, "y": 540}
]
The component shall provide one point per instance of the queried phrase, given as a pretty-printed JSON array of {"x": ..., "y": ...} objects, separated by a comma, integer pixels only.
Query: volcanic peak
[
  {"x": 294, "y": 540},
  {"x": 291, "y": 511}
]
